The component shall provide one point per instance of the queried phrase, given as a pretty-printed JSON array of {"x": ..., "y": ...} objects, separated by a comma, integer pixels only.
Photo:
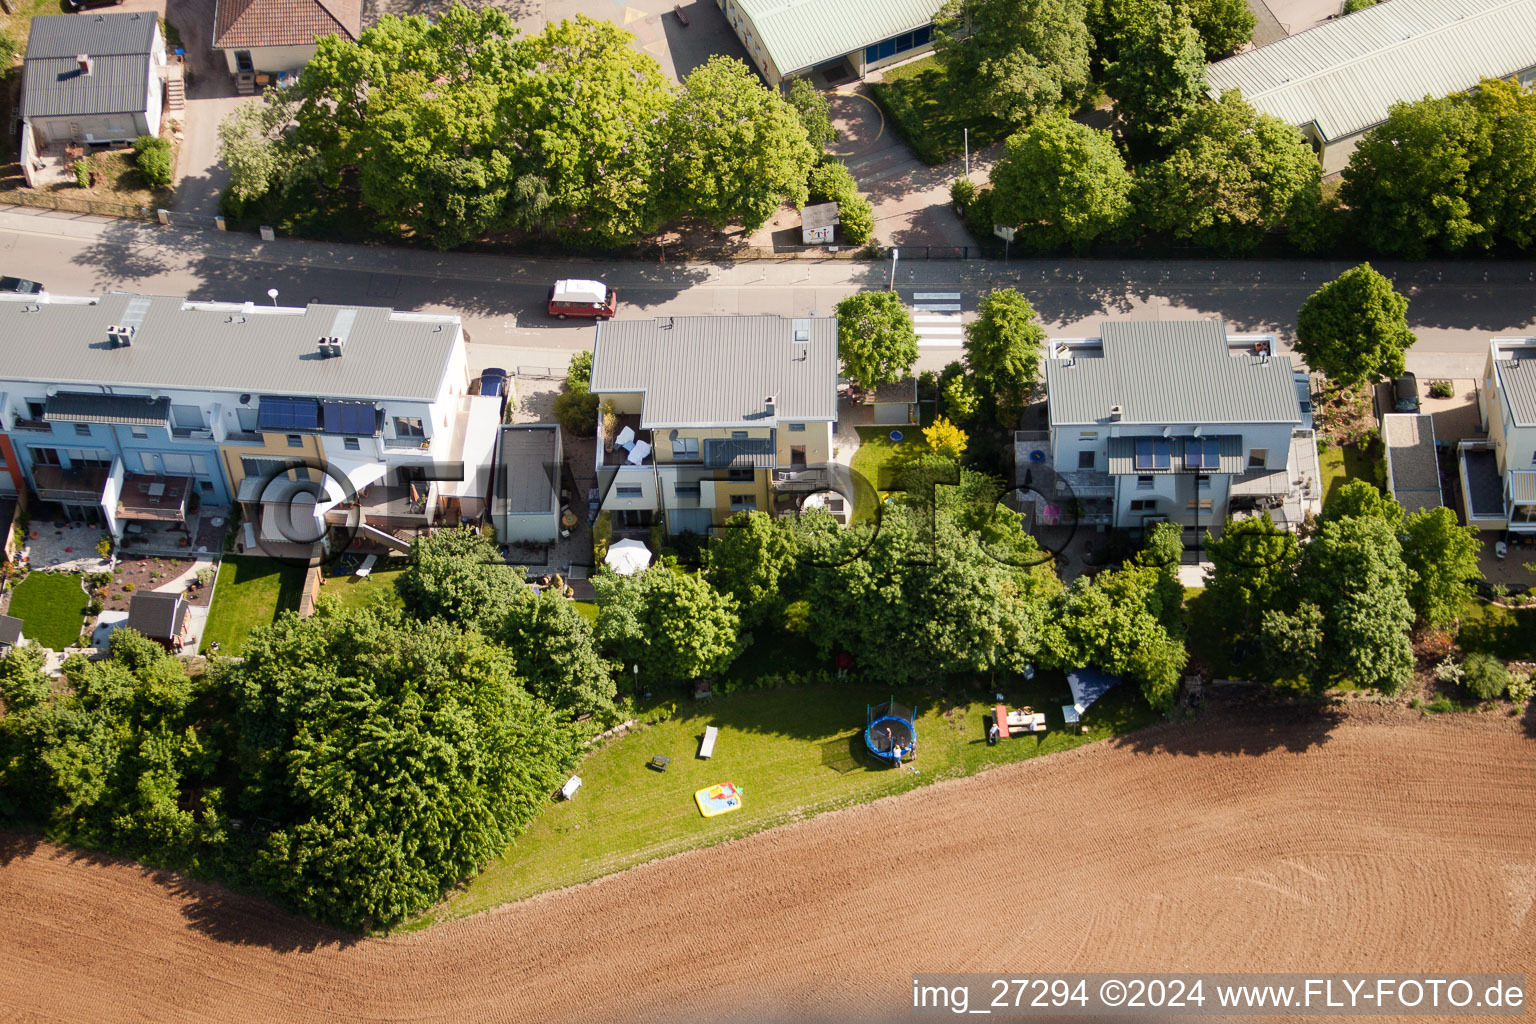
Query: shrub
[
  {"x": 856, "y": 217},
  {"x": 128, "y": 587},
  {"x": 205, "y": 575},
  {"x": 579, "y": 376},
  {"x": 83, "y": 173},
  {"x": 94, "y": 607},
  {"x": 1449, "y": 672},
  {"x": 1441, "y": 389},
  {"x": 602, "y": 535},
  {"x": 1484, "y": 676},
  {"x": 1442, "y": 706},
  {"x": 104, "y": 547},
  {"x": 1522, "y": 686},
  {"x": 961, "y": 192},
  {"x": 153, "y": 158},
  {"x": 1351, "y": 6},
  {"x": 577, "y": 412}
]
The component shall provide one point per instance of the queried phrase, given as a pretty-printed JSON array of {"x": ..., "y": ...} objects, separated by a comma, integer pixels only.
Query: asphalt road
[{"x": 1455, "y": 307}]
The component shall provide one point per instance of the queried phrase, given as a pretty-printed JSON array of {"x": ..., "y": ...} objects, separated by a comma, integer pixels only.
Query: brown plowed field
[{"x": 1252, "y": 840}]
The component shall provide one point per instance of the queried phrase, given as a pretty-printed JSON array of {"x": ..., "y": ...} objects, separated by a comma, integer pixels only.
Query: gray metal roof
[
  {"x": 157, "y": 615},
  {"x": 1170, "y": 372},
  {"x": 800, "y": 34},
  {"x": 718, "y": 371},
  {"x": 10, "y": 630},
  {"x": 527, "y": 470},
  {"x": 225, "y": 347},
  {"x": 1415, "y": 478},
  {"x": 1517, "y": 385},
  {"x": 1343, "y": 75},
  {"x": 90, "y": 407},
  {"x": 119, "y": 46},
  {"x": 1522, "y": 486}
]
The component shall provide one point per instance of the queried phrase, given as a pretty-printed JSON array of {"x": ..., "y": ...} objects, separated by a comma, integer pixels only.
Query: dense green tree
[
  {"x": 458, "y": 575},
  {"x": 1355, "y": 328},
  {"x": 586, "y": 121},
  {"x": 923, "y": 599},
  {"x": 959, "y": 400},
  {"x": 814, "y": 111},
  {"x": 391, "y": 756},
  {"x": 1231, "y": 176},
  {"x": 1018, "y": 58},
  {"x": 1115, "y": 622},
  {"x": 1002, "y": 350},
  {"x": 555, "y": 653},
  {"x": 1225, "y": 26},
  {"x": 1253, "y": 565},
  {"x": 1353, "y": 571},
  {"x": 1293, "y": 643},
  {"x": 1441, "y": 554},
  {"x": 734, "y": 150},
  {"x": 1503, "y": 181},
  {"x": 1409, "y": 182},
  {"x": 1355, "y": 498},
  {"x": 875, "y": 338},
  {"x": 1158, "y": 76},
  {"x": 1061, "y": 182},
  {"x": 751, "y": 560},
  {"x": 674, "y": 625}
]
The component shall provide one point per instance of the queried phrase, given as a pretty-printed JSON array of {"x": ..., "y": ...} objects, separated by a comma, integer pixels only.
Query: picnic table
[{"x": 1023, "y": 720}]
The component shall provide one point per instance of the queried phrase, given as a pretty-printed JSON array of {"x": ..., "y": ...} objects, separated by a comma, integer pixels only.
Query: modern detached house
[
  {"x": 1176, "y": 422},
  {"x": 1498, "y": 473},
  {"x": 699, "y": 414},
  {"x": 90, "y": 79},
  {"x": 144, "y": 408}
]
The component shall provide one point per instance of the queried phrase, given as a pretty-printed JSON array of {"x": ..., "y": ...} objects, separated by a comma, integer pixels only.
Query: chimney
[
  {"x": 1115, "y": 413},
  {"x": 84, "y": 60},
  {"x": 769, "y": 401}
]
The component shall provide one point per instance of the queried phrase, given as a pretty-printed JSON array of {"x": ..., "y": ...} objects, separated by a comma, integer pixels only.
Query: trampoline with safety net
[{"x": 889, "y": 732}]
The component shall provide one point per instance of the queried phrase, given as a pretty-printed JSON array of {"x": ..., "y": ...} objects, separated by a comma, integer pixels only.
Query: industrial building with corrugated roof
[
  {"x": 1340, "y": 79},
  {"x": 789, "y": 38}
]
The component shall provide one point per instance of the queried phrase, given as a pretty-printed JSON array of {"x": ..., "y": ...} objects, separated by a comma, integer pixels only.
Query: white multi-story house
[
  {"x": 123, "y": 406},
  {"x": 1498, "y": 474},
  {"x": 707, "y": 411},
  {"x": 1176, "y": 422}
]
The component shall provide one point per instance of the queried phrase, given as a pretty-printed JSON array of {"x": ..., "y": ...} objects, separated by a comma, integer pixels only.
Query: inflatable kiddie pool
[{"x": 718, "y": 799}]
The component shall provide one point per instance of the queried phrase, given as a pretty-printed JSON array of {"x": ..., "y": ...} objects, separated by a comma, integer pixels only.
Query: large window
[
  {"x": 898, "y": 44},
  {"x": 685, "y": 449},
  {"x": 45, "y": 456},
  {"x": 743, "y": 503},
  {"x": 409, "y": 426},
  {"x": 1085, "y": 460},
  {"x": 1258, "y": 458},
  {"x": 630, "y": 491}
]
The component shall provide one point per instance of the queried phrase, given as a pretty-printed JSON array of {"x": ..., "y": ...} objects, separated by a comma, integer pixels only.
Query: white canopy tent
[{"x": 627, "y": 557}]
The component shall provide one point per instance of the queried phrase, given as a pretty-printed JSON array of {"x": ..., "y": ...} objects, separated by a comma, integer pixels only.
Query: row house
[
  {"x": 131, "y": 407},
  {"x": 700, "y": 417},
  {"x": 1498, "y": 470},
  {"x": 1179, "y": 422}
]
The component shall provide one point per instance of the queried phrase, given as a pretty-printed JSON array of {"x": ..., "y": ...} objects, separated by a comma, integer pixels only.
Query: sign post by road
[{"x": 895, "y": 252}]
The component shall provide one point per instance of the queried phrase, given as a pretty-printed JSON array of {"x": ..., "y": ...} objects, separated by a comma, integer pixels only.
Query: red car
[{"x": 575, "y": 297}]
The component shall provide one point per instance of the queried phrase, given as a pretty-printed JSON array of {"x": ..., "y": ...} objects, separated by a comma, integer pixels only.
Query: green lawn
[
  {"x": 52, "y": 607},
  {"x": 250, "y": 592},
  {"x": 357, "y": 591},
  {"x": 586, "y": 609},
  {"x": 793, "y": 752},
  {"x": 917, "y": 105},
  {"x": 876, "y": 461},
  {"x": 1508, "y": 634},
  {"x": 1346, "y": 463}
]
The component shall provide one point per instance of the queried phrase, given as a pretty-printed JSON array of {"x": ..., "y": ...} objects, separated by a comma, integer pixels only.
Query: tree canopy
[
  {"x": 674, "y": 625},
  {"x": 751, "y": 560},
  {"x": 459, "y": 576},
  {"x": 814, "y": 111},
  {"x": 1115, "y": 622},
  {"x": 1002, "y": 350},
  {"x": 875, "y": 338},
  {"x": 1355, "y": 328},
  {"x": 556, "y": 656},
  {"x": 1158, "y": 75},
  {"x": 1019, "y": 58},
  {"x": 391, "y": 757},
  {"x": 1232, "y": 175},
  {"x": 1441, "y": 555},
  {"x": 724, "y": 109},
  {"x": 1061, "y": 182},
  {"x": 1352, "y": 570}
]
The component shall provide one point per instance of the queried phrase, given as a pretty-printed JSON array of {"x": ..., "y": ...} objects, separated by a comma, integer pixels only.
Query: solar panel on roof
[
  {"x": 288, "y": 414},
  {"x": 1202, "y": 453},
  {"x": 1153, "y": 453},
  {"x": 349, "y": 417}
]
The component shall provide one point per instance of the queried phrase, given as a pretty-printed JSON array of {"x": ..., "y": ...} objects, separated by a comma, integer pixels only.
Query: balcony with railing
[
  {"x": 389, "y": 507},
  {"x": 154, "y": 498},
  {"x": 1035, "y": 466},
  {"x": 619, "y": 447},
  {"x": 74, "y": 485}
]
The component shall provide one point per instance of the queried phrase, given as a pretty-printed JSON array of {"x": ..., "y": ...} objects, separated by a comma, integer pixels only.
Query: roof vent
[
  {"x": 770, "y": 400},
  {"x": 120, "y": 335},
  {"x": 1116, "y": 413},
  {"x": 84, "y": 60},
  {"x": 330, "y": 347}
]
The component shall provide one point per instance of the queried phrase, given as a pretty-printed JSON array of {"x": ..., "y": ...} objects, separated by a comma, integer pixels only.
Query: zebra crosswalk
[{"x": 937, "y": 319}]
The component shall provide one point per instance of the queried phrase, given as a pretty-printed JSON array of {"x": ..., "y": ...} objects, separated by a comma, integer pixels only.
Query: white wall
[
  {"x": 643, "y": 477},
  {"x": 272, "y": 59}
]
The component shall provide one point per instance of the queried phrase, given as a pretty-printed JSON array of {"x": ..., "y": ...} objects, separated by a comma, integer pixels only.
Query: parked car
[
  {"x": 80, "y": 5},
  {"x": 493, "y": 381},
  {"x": 1304, "y": 397},
  {"x": 1405, "y": 393},
  {"x": 576, "y": 297},
  {"x": 20, "y": 285}
]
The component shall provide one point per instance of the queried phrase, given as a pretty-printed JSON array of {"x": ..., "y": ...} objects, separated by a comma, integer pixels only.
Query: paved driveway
[{"x": 200, "y": 178}]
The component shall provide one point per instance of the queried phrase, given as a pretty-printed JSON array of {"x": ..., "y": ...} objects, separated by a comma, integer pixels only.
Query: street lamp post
[
  {"x": 895, "y": 252},
  {"x": 967, "y": 152}
]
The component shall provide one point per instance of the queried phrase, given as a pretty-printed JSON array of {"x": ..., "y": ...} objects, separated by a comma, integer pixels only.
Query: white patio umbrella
[{"x": 628, "y": 557}]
